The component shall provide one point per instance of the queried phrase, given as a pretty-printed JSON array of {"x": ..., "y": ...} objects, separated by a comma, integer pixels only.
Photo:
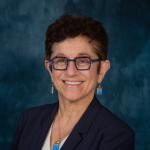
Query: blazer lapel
[
  {"x": 77, "y": 134},
  {"x": 72, "y": 141},
  {"x": 45, "y": 126}
]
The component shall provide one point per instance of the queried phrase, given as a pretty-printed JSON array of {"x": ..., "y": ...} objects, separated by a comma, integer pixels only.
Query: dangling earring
[
  {"x": 52, "y": 88},
  {"x": 99, "y": 89}
]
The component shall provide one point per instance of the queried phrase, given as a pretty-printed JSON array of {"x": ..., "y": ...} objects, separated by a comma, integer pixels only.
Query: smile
[{"x": 73, "y": 82}]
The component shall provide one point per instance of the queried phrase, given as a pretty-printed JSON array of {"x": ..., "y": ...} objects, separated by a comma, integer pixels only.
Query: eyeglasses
[{"x": 81, "y": 63}]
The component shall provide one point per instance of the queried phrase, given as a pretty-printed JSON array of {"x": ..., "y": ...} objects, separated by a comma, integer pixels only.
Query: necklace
[{"x": 56, "y": 145}]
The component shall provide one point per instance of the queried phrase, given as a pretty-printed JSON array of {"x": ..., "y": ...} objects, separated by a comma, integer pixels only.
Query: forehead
[{"x": 72, "y": 47}]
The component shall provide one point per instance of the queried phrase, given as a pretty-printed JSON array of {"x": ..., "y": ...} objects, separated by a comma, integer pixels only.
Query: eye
[
  {"x": 60, "y": 60},
  {"x": 83, "y": 60}
]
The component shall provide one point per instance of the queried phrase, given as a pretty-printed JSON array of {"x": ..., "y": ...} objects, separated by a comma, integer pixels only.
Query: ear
[
  {"x": 104, "y": 67},
  {"x": 47, "y": 66}
]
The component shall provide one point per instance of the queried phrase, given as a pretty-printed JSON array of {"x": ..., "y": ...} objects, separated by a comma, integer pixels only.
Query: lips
[{"x": 72, "y": 83}]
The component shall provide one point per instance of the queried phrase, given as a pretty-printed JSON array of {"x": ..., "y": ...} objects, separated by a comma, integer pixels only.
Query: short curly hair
[{"x": 69, "y": 26}]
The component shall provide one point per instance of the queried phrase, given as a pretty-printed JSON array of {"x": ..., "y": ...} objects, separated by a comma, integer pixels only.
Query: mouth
[{"x": 72, "y": 83}]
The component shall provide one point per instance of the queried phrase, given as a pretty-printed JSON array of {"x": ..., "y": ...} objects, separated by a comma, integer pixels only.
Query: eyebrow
[
  {"x": 83, "y": 54},
  {"x": 60, "y": 54},
  {"x": 80, "y": 54}
]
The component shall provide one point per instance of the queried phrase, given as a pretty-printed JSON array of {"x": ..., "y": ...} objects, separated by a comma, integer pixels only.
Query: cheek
[
  {"x": 92, "y": 77},
  {"x": 54, "y": 77},
  {"x": 95, "y": 71}
]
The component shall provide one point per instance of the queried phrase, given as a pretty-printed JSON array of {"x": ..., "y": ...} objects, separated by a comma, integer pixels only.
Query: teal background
[{"x": 25, "y": 83}]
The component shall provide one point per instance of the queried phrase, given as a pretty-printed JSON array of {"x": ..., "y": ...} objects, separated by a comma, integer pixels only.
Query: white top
[{"x": 46, "y": 145}]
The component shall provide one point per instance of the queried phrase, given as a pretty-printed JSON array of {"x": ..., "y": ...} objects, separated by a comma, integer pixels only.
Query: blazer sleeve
[
  {"x": 118, "y": 139},
  {"x": 18, "y": 132}
]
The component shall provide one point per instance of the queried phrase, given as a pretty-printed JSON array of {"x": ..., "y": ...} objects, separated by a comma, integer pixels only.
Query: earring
[
  {"x": 99, "y": 89},
  {"x": 52, "y": 88}
]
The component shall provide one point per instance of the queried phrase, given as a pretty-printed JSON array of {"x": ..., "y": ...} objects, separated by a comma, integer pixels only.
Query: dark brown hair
[{"x": 68, "y": 26}]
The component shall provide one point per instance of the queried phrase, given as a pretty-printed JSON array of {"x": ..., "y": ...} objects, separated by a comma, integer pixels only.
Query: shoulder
[
  {"x": 113, "y": 129},
  {"x": 108, "y": 119},
  {"x": 31, "y": 122},
  {"x": 38, "y": 113},
  {"x": 40, "y": 109}
]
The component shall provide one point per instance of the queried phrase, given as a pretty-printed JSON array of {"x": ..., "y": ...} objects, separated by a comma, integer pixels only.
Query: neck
[{"x": 73, "y": 109}]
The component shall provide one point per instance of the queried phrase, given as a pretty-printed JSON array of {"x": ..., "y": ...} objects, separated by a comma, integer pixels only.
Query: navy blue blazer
[{"x": 98, "y": 129}]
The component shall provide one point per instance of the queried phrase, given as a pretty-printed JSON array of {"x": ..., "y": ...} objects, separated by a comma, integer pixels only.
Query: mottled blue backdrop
[{"x": 25, "y": 83}]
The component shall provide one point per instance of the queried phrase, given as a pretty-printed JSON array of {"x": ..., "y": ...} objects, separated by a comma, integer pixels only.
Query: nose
[{"x": 71, "y": 69}]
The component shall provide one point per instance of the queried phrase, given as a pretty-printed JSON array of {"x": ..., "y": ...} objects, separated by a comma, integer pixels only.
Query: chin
[{"x": 73, "y": 97}]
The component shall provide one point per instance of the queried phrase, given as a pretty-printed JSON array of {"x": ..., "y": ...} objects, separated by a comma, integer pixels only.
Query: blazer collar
[{"x": 89, "y": 116}]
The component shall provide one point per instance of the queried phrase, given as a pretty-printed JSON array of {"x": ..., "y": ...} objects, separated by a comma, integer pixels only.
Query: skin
[{"x": 74, "y": 98}]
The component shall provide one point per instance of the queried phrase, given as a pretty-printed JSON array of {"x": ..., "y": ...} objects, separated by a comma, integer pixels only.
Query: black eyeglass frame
[{"x": 51, "y": 61}]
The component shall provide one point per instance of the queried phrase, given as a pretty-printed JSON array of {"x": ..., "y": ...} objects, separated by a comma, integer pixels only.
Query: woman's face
[{"x": 72, "y": 84}]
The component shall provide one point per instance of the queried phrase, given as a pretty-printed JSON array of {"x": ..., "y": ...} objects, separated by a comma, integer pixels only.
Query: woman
[{"x": 76, "y": 59}]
